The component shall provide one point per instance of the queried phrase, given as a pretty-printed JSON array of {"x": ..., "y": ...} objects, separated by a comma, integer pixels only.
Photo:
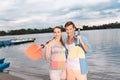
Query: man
[{"x": 76, "y": 66}]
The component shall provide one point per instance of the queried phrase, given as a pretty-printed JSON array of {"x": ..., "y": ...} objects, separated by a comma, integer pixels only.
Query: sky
[{"x": 17, "y": 14}]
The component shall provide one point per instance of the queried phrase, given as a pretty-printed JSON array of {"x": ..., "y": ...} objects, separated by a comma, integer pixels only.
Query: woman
[{"x": 55, "y": 51}]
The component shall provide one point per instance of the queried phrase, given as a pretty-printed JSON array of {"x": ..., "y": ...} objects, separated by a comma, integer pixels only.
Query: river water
[{"x": 103, "y": 63}]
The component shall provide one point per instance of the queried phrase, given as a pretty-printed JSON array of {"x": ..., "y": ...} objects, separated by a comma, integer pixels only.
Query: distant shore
[{"x": 115, "y": 25}]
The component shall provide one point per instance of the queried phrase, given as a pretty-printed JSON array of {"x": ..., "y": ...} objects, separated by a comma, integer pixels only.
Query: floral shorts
[{"x": 57, "y": 74}]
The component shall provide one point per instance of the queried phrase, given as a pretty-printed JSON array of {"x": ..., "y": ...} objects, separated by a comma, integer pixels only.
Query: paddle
[
  {"x": 77, "y": 51},
  {"x": 34, "y": 51},
  {"x": 80, "y": 53},
  {"x": 78, "y": 35}
]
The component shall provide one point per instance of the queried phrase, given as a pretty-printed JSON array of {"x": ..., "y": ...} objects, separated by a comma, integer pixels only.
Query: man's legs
[
  {"x": 70, "y": 74},
  {"x": 75, "y": 75}
]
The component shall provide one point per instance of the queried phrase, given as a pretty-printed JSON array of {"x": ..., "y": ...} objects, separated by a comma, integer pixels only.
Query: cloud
[
  {"x": 45, "y": 13},
  {"x": 6, "y": 4}
]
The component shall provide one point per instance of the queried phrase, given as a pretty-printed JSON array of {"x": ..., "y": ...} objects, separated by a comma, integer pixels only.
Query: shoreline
[{"x": 7, "y": 76}]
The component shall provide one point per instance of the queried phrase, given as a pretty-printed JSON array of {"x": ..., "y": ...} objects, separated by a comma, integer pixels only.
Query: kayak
[
  {"x": 4, "y": 66},
  {"x": 2, "y": 60}
]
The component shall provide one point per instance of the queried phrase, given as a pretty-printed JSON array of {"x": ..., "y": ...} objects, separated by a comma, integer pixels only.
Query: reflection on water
[{"x": 104, "y": 63}]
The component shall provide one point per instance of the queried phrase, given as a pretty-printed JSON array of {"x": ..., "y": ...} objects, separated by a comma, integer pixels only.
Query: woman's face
[
  {"x": 70, "y": 30},
  {"x": 57, "y": 33}
]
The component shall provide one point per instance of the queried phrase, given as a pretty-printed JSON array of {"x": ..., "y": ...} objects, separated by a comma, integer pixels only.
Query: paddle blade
[
  {"x": 76, "y": 52},
  {"x": 34, "y": 52}
]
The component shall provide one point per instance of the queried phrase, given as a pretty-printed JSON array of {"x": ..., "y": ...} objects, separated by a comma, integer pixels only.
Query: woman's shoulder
[{"x": 49, "y": 43}]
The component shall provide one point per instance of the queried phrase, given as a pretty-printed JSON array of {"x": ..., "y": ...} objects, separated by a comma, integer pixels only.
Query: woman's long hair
[{"x": 61, "y": 40}]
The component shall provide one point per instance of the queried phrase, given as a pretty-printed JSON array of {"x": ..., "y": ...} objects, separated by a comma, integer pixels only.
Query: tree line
[{"x": 48, "y": 30}]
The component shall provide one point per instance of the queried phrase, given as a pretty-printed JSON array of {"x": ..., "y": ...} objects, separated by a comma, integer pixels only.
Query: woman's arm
[{"x": 48, "y": 49}]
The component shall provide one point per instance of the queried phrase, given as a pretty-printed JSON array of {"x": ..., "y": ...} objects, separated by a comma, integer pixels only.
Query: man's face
[{"x": 70, "y": 30}]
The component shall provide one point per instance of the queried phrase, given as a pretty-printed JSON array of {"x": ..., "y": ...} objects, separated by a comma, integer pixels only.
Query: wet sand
[{"x": 7, "y": 76}]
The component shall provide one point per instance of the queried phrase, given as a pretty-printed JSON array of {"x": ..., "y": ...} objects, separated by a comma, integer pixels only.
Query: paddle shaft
[
  {"x": 78, "y": 35},
  {"x": 41, "y": 47}
]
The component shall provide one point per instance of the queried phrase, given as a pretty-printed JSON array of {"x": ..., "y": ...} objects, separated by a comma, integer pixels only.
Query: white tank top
[{"x": 72, "y": 63}]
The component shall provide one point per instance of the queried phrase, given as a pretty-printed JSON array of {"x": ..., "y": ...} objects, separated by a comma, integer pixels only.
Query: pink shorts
[{"x": 73, "y": 74}]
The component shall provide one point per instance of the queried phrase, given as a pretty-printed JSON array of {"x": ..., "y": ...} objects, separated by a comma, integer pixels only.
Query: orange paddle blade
[{"x": 34, "y": 52}]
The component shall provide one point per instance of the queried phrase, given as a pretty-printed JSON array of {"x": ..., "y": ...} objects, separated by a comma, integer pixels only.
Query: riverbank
[{"x": 7, "y": 76}]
